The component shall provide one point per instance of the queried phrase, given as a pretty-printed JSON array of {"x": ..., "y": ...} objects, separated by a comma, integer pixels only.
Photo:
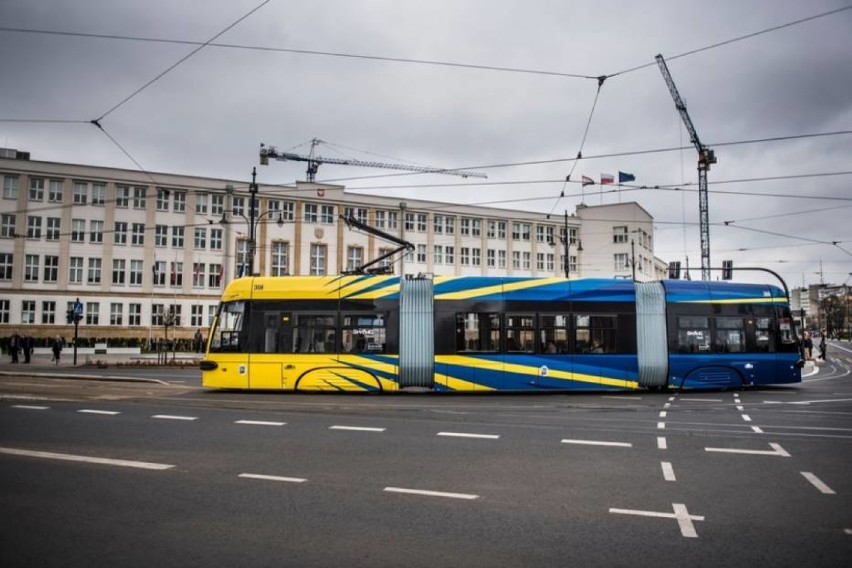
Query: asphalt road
[{"x": 106, "y": 473}]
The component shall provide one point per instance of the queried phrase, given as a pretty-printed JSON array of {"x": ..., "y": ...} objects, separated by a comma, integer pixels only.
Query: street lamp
[
  {"x": 567, "y": 242},
  {"x": 251, "y": 221}
]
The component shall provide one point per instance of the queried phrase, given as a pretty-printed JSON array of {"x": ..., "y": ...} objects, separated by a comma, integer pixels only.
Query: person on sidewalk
[
  {"x": 14, "y": 346},
  {"x": 56, "y": 347}
]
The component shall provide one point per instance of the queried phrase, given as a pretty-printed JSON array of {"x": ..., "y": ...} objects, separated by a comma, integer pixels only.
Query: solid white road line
[
  {"x": 174, "y": 417},
  {"x": 466, "y": 435},
  {"x": 668, "y": 472},
  {"x": 684, "y": 519},
  {"x": 105, "y": 412},
  {"x": 702, "y": 399},
  {"x": 272, "y": 477},
  {"x": 30, "y": 407},
  {"x": 777, "y": 450},
  {"x": 816, "y": 482},
  {"x": 661, "y": 443},
  {"x": 86, "y": 459},
  {"x": 598, "y": 443},
  {"x": 356, "y": 428},
  {"x": 431, "y": 493},
  {"x": 260, "y": 423}
]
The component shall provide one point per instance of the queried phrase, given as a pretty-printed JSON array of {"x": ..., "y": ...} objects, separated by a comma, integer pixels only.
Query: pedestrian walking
[
  {"x": 809, "y": 346},
  {"x": 56, "y": 347},
  {"x": 27, "y": 347},
  {"x": 822, "y": 346}
]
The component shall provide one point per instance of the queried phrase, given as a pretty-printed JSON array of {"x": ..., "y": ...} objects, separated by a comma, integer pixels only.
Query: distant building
[{"x": 140, "y": 249}]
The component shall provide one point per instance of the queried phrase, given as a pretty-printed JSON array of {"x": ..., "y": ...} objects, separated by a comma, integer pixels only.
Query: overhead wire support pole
[{"x": 706, "y": 157}]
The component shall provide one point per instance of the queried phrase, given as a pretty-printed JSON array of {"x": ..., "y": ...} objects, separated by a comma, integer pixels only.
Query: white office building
[{"x": 141, "y": 249}]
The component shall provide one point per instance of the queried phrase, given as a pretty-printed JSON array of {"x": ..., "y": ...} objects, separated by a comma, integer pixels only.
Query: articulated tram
[{"x": 378, "y": 333}]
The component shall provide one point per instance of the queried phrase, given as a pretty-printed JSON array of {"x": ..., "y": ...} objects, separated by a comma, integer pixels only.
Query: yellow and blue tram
[{"x": 379, "y": 333}]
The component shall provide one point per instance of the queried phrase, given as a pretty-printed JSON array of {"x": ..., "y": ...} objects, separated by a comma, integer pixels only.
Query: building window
[
  {"x": 120, "y": 235},
  {"x": 118, "y": 268},
  {"x": 476, "y": 256},
  {"x": 421, "y": 222},
  {"x": 360, "y": 214},
  {"x": 215, "y": 239},
  {"x": 408, "y": 222},
  {"x": 116, "y": 314},
  {"x": 491, "y": 258},
  {"x": 122, "y": 196},
  {"x": 36, "y": 189},
  {"x": 449, "y": 255},
  {"x": 134, "y": 314},
  {"x": 464, "y": 230},
  {"x": 137, "y": 236},
  {"x": 94, "y": 271},
  {"x": 176, "y": 275},
  {"x": 311, "y": 214},
  {"x": 75, "y": 270},
  {"x": 501, "y": 259},
  {"x": 10, "y": 187},
  {"x": 96, "y": 231},
  {"x": 139, "y": 197},
  {"x": 81, "y": 193},
  {"x": 179, "y": 204},
  {"x": 217, "y": 204},
  {"x": 242, "y": 257},
  {"x": 539, "y": 261},
  {"x": 177, "y": 236},
  {"x": 53, "y": 227},
  {"x": 4, "y": 311},
  {"x": 381, "y": 219},
  {"x": 327, "y": 214},
  {"x": 354, "y": 258},
  {"x": 216, "y": 275},
  {"x": 421, "y": 254},
  {"x": 621, "y": 261},
  {"x": 198, "y": 275},
  {"x": 98, "y": 194},
  {"x": 7, "y": 225},
  {"x": 31, "y": 268},
  {"x": 51, "y": 268},
  {"x": 527, "y": 260},
  {"x": 34, "y": 227},
  {"x": 162, "y": 199},
  {"x": 516, "y": 260},
  {"x": 93, "y": 310},
  {"x": 280, "y": 265},
  {"x": 161, "y": 235},
  {"x": 318, "y": 256},
  {"x": 199, "y": 240},
  {"x": 438, "y": 254},
  {"x": 197, "y": 316},
  {"x": 438, "y": 225},
  {"x": 28, "y": 316},
  {"x": 54, "y": 191},
  {"x": 136, "y": 272},
  {"x": 619, "y": 234},
  {"x": 201, "y": 203},
  {"x": 78, "y": 230},
  {"x": 449, "y": 225},
  {"x": 158, "y": 273},
  {"x": 48, "y": 312},
  {"x": 551, "y": 258}
]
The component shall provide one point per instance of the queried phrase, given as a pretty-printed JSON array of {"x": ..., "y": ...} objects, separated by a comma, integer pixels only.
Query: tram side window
[
  {"x": 693, "y": 335},
  {"x": 363, "y": 333},
  {"x": 229, "y": 328},
  {"x": 520, "y": 333},
  {"x": 595, "y": 333},
  {"x": 314, "y": 334},
  {"x": 764, "y": 335},
  {"x": 729, "y": 335},
  {"x": 553, "y": 333},
  {"x": 477, "y": 332}
]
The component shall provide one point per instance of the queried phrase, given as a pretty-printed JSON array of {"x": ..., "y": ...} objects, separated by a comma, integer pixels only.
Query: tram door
[
  {"x": 416, "y": 333},
  {"x": 268, "y": 372}
]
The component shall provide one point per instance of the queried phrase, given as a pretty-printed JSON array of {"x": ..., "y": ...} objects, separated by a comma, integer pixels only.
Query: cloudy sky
[{"x": 490, "y": 85}]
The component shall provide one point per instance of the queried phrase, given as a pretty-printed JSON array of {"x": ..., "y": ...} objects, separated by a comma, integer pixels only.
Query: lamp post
[
  {"x": 566, "y": 242},
  {"x": 252, "y": 221},
  {"x": 402, "y": 207}
]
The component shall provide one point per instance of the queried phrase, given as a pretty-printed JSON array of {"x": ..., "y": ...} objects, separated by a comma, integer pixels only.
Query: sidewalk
[{"x": 42, "y": 362}]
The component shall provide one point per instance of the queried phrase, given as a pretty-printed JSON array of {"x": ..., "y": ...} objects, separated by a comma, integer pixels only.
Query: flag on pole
[
  {"x": 154, "y": 272},
  {"x": 623, "y": 177},
  {"x": 174, "y": 273},
  {"x": 607, "y": 179},
  {"x": 588, "y": 181}
]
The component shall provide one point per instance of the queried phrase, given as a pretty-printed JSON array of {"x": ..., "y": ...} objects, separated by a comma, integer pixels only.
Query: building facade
[{"x": 148, "y": 254}]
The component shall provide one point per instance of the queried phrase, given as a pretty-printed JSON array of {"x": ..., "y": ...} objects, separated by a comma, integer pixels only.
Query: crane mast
[
  {"x": 314, "y": 162},
  {"x": 706, "y": 156}
]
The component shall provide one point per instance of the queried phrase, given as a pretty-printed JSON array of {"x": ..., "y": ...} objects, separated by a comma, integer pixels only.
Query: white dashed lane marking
[
  {"x": 599, "y": 443},
  {"x": 431, "y": 493},
  {"x": 661, "y": 443},
  {"x": 776, "y": 450},
  {"x": 30, "y": 407},
  {"x": 668, "y": 471},
  {"x": 272, "y": 477},
  {"x": 174, "y": 417},
  {"x": 467, "y": 435},
  {"x": 260, "y": 423},
  {"x": 104, "y": 412},
  {"x": 357, "y": 428}
]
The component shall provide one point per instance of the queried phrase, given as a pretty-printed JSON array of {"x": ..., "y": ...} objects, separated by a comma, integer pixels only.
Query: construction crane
[
  {"x": 267, "y": 152},
  {"x": 706, "y": 156}
]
